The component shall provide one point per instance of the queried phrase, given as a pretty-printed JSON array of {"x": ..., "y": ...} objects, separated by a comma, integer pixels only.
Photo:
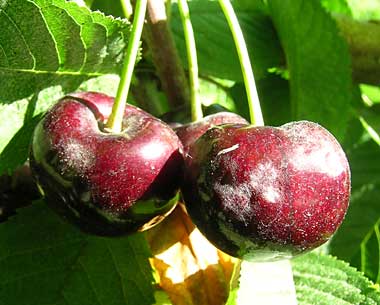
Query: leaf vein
[
  {"x": 46, "y": 72},
  {"x": 5, "y": 54}
]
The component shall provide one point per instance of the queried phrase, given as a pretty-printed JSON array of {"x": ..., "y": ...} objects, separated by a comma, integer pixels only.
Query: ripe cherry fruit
[
  {"x": 190, "y": 132},
  {"x": 106, "y": 183},
  {"x": 267, "y": 193}
]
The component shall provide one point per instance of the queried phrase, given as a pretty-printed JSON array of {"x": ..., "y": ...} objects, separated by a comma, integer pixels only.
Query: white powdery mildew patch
[
  {"x": 236, "y": 200},
  {"x": 264, "y": 180},
  {"x": 77, "y": 156},
  {"x": 322, "y": 160},
  {"x": 132, "y": 124}
]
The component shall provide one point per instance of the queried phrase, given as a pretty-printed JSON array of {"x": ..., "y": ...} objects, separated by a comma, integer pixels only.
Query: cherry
[
  {"x": 267, "y": 193},
  {"x": 190, "y": 132},
  {"x": 106, "y": 183}
]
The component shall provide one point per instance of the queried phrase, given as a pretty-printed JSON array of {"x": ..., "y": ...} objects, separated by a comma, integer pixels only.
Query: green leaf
[
  {"x": 162, "y": 298},
  {"x": 324, "y": 280},
  {"x": 357, "y": 240},
  {"x": 49, "y": 42},
  {"x": 44, "y": 260},
  {"x": 113, "y": 8},
  {"x": 318, "y": 60},
  {"x": 337, "y": 6},
  {"x": 215, "y": 47},
  {"x": 319, "y": 280},
  {"x": 370, "y": 93},
  {"x": 370, "y": 119},
  {"x": 368, "y": 258},
  {"x": 364, "y": 159},
  {"x": 232, "y": 298},
  {"x": 274, "y": 99},
  {"x": 250, "y": 4},
  {"x": 49, "y": 48},
  {"x": 215, "y": 92}
]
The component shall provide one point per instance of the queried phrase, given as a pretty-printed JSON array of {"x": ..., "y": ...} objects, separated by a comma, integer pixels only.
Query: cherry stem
[
  {"x": 115, "y": 120},
  {"x": 245, "y": 63},
  {"x": 127, "y": 8},
  {"x": 196, "y": 105}
]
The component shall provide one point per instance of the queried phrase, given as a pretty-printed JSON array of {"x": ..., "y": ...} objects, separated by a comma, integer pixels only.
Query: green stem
[
  {"x": 168, "y": 7},
  {"x": 196, "y": 105},
  {"x": 115, "y": 120},
  {"x": 245, "y": 63},
  {"x": 127, "y": 8}
]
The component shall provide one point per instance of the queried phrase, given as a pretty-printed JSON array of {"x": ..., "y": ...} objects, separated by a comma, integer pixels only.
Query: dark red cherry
[
  {"x": 106, "y": 183},
  {"x": 267, "y": 193},
  {"x": 189, "y": 133}
]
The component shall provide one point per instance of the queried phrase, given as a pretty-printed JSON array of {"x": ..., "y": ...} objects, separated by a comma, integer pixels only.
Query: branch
[
  {"x": 165, "y": 56},
  {"x": 363, "y": 38}
]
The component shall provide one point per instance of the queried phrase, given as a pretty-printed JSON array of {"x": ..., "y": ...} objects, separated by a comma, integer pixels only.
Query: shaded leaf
[
  {"x": 43, "y": 260},
  {"x": 274, "y": 99},
  {"x": 113, "y": 8},
  {"x": 357, "y": 240},
  {"x": 364, "y": 159},
  {"x": 215, "y": 47},
  {"x": 318, "y": 60}
]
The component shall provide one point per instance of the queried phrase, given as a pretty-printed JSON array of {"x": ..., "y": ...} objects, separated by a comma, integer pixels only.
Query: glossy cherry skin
[
  {"x": 267, "y": 193},
  {"x": 106, "y": 183},
  {"x": 189, "y": 133}
]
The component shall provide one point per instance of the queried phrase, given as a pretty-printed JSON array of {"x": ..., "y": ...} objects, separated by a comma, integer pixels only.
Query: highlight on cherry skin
[
  {"x": 267, "y": 193},
  {"x": 106, "y": 183}
]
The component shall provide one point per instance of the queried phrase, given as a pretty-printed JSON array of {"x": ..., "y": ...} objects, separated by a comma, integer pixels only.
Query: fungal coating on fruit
[
  {"x": 106, "y": 183},
  {"x": 267, "y": 193}
]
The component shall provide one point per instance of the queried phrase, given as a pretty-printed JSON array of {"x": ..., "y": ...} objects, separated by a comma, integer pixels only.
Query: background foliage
[{"x": 304, "y": 70}]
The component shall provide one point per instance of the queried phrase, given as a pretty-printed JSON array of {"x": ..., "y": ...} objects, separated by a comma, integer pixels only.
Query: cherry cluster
[{"x": 257, "y": 193}]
